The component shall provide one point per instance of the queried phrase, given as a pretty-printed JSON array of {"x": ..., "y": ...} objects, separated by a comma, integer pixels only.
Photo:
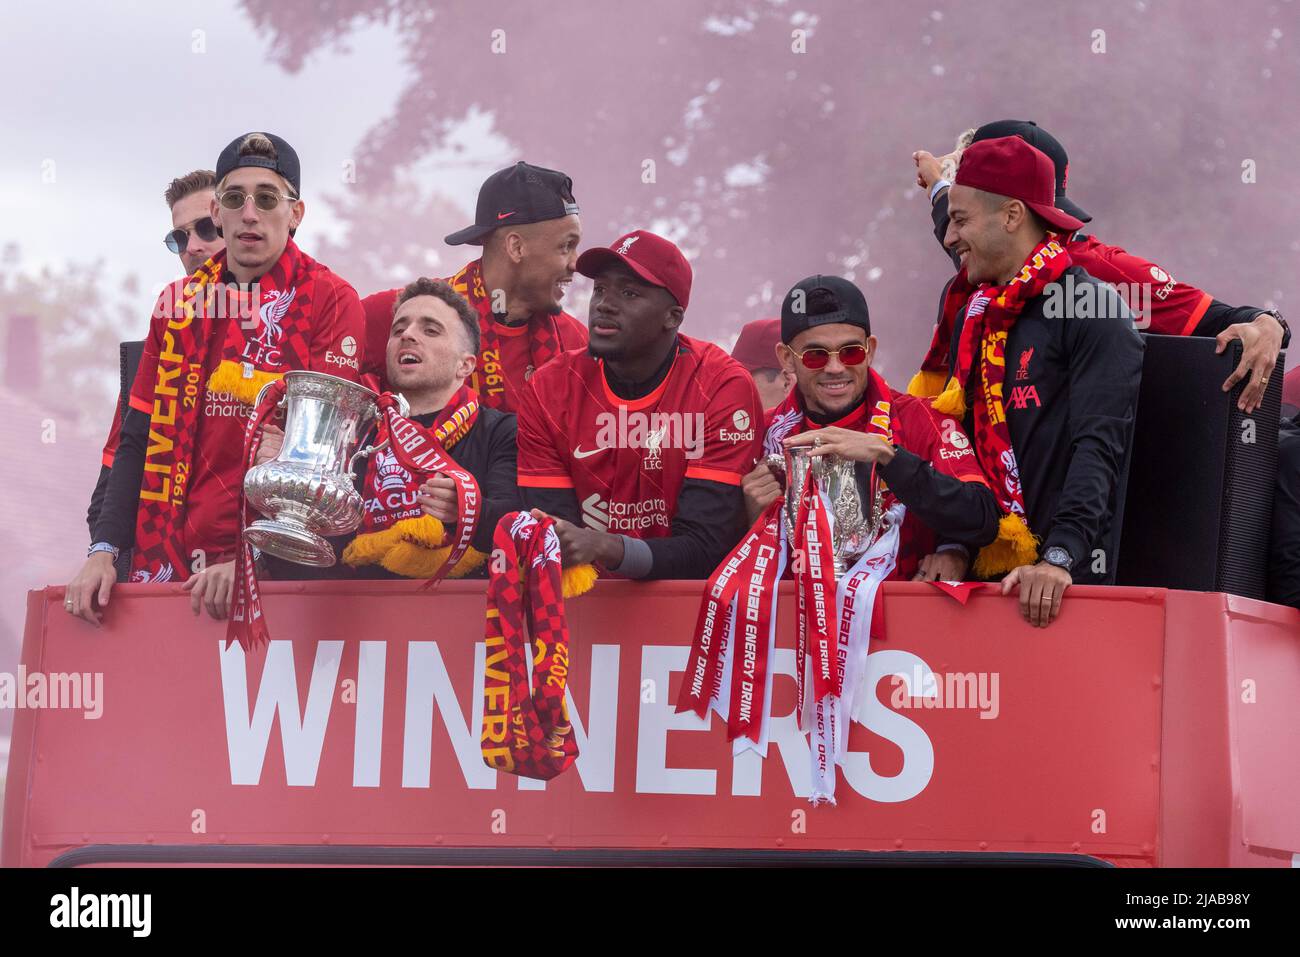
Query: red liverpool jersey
[{"x": 626, "y": 459}]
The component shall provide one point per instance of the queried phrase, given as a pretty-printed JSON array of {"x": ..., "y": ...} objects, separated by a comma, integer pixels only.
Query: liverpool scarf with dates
[
  {"x": 526, "y": 727},
  {"x": 990, "y": 314},
  {"x": 488, "y": 378},
  {"x": 208, "y": 316},
  {"x": 735, "y": 637},
  {"x": 395, "y": 532}
]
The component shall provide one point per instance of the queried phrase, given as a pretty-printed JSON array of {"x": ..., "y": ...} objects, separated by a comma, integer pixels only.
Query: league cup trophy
[
  {"x": 307, "y": 491},
  {"x": 852, "y": 529}
]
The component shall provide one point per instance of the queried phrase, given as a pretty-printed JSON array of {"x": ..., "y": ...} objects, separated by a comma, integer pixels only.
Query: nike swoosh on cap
[
  {"x": 578, "y": 453},
  {"x": 504, "y": 215}
]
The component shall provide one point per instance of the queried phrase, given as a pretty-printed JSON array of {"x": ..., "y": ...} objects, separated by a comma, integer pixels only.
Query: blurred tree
[{"x": 780, "y": 132}]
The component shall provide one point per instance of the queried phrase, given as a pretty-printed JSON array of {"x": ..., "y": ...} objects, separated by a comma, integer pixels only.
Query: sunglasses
[
  {"x": 264, "y": 199},
  {"x": 853, "y": 355},
  {"x": 178, "y": 240}
]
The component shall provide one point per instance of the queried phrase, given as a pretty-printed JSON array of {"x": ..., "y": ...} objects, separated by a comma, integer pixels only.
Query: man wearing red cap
[
  {"x": 756, "y": 350},
  {"x": 1171, "y": 307},
  {"x": 638, "y": 444},
  {"x": 1047, "y": 396},
  {"x": 527, "y": 224}
]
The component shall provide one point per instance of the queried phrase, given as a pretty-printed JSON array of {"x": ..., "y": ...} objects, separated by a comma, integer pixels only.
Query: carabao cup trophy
[
  {"x": 307, "y": 491},
  {"x": 852, "y": 528}
]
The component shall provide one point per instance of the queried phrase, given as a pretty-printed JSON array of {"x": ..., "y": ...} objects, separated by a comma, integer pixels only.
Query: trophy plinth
[{"x": 306, "y": 491}]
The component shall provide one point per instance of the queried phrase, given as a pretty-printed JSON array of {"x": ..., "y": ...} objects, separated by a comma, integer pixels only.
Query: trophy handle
[
  {"x": 365, "y": 453},
  {"x": 284, "y": 401}
]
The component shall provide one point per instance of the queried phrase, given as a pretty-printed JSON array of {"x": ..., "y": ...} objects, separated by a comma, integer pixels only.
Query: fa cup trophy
[
  {"x": 852, "y": 528},
  {"x": 307, "y": 491}
]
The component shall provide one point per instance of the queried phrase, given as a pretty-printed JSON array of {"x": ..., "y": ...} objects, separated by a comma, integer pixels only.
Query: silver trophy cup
[
  {"x": 852, "y": 528},
  {"x": 307, "y": 491}
]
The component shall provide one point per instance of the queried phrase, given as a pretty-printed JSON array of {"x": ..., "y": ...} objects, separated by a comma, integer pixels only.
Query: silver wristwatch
[
  {"x": 1058, "y": 556},
  {"x": 104, "y": 547}
]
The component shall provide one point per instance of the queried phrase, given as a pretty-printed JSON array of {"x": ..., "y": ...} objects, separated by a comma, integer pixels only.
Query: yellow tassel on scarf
[
  {"x": 952, "y": 401},
  {"x": 423, "y": 531},
  {"x": 926, "y": 385},
  {"x": 413, "y": 561},
  {"x": 1015, "y": 545},
  {"x": 229, "y": 377},
  {"x": 577, "y": 580}
]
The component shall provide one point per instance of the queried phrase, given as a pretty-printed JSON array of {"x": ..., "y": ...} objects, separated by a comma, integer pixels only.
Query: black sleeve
[
  {"x": 115, "y": 522},
  {"x": 1105, "y": 357},
  {"x": 710, "y": 520},
  {"x": 97, "y": 499},
  {"x": 1219, "y": 316},
  {"x": 939, "y": 215},
  {"x": 557, "y": 502},
  {"x": 957, "y": 511},
  {"x": 499, "y": 485}
]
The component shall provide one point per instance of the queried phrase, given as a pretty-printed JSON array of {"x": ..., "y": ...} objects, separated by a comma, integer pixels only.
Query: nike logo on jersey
[{"x": 578, "y": 452}]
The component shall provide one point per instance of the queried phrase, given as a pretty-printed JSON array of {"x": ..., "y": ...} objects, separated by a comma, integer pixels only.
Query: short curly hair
[{"x": 442, "y": 290}]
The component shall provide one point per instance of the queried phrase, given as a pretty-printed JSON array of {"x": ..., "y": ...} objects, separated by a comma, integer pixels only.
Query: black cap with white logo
[
  {"x": 820, "y": 301},
  {"x": 285, "y": 162},
  {"x": 515, "y": 195},
  {"x": 1045, "y": 142}
]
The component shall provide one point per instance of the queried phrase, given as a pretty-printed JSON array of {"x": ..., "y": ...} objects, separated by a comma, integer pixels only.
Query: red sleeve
[
  {"x": 141, "y": 398},
  {"x": 573, "y": 333},
  {"x": 338, "y": 335},
  {"x": 938, "y": 439},
  {"x": 540, "y": 461},
  {"x": 733, "y": 430},
  {"x": 1160, "y": 302},
  {"x": 378, "y": 309}
]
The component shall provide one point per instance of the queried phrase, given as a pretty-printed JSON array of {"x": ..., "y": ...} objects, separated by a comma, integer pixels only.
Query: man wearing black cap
[
  {"x": 842, "y": 406},
  {"x": 1172, "y": 307},
  {"x": 1048, "y": 398},
  {"x": 638, "y": 445},
  {"x": 527, "y": 223},
  {"x": 174, "y": 490}
]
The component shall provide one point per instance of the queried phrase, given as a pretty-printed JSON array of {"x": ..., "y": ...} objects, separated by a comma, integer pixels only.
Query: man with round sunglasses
[
  {"x": 841, "y": 406},
  {"x": 527, "y": 223},
  {"x": 637, "y": 445},
  {"x": 253, "y": 312}
]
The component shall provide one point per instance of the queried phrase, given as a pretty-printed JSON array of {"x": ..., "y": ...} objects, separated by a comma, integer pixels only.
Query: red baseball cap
[
  {"x": 651, "y": 257},
  {"x": 1008, "y": 166},
  {"x": 756, "y": 346}
]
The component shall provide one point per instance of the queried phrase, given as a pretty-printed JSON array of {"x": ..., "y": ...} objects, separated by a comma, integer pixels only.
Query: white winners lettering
[
  {"x": 428, "y": 686},
  {"x": 75, "y": 909}
]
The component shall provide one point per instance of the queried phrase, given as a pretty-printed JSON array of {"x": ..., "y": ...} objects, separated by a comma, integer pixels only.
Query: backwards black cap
[
  {"x": 285, "y": 161},
  {"x": 1040, "y": 139},
  {"x": 515, "y": 195},
  {"x": 820, "y": 301}
]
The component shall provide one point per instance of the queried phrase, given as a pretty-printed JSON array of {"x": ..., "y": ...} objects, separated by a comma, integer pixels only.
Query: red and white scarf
[
  {"x": 526, "y": 727},
  {"x": 728, "y": 667},
  {"x": 395, "y": 532}
]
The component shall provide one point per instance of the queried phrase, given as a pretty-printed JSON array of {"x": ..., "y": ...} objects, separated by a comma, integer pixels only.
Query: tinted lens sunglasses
[
  {"x": 853, "y": 355},
  {"x": 178, "y": 240}
]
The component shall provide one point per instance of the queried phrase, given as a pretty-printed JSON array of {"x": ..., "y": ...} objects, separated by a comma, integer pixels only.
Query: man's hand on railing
[
  {"x": 87, "y": 595},
  {"x": 212, "y": 589}
]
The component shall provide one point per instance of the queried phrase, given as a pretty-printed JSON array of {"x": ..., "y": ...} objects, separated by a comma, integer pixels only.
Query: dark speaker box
[{"x": 1199, "y": 500}]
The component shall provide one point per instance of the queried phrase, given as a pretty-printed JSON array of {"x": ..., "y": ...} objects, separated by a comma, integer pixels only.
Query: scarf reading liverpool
[
  {"x": 735, "y": 637},
  {"x": 526, "y": 726},
  {"x": 395, "y": 532},
  {"x": 249, "y": 359},
  {"x": 990, "y": 314},
  {"x": 543, "y": 338}
]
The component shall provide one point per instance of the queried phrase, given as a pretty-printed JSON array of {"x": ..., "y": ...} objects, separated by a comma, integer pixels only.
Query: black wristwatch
[
  {"x": 1058, "y": 556},
  {"x": 1286, "y": 330}
]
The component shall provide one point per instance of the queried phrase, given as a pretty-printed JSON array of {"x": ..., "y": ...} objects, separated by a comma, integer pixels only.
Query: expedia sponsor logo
[
  {"x": 335, "y": 359},
  {"x": 743, "y": 428}
]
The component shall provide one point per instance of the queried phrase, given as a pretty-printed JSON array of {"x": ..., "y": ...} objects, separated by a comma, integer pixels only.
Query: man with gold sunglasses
[{"x": 840, "y": 406}]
